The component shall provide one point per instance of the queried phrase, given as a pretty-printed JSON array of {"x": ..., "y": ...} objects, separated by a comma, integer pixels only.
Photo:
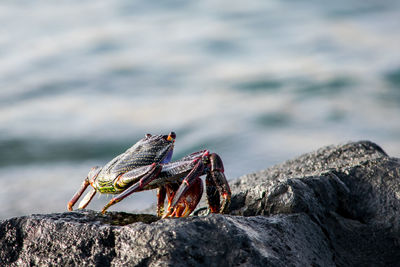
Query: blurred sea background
[{"x": 258, "y": 82}]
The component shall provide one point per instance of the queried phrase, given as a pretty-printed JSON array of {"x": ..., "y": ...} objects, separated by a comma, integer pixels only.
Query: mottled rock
[{"x": 338, "y": 206}]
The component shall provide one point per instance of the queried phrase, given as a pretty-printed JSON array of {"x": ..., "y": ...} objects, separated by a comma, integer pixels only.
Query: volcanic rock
[{"x": 337, "y": 206}]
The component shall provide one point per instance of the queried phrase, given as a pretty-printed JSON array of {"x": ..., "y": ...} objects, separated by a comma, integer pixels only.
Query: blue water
[{"x": 258, "y": 82}]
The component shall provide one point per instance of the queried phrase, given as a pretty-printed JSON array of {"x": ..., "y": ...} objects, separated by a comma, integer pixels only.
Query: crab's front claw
[
  {"x": 182, "y": 202},
  {"x": 187, "y": 202}
]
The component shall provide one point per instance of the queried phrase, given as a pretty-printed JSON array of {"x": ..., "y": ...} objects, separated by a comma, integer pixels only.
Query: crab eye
[
  {"x": 171, "y": 137},
  {"x": 147, "y": 135}
]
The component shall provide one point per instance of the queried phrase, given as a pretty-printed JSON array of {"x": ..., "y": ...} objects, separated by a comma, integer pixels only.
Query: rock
[{"x": 338, "y": 206}]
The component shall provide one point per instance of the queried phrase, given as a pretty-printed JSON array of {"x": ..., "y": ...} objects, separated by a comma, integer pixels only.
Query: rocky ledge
[{"x": 338, "y": 206}]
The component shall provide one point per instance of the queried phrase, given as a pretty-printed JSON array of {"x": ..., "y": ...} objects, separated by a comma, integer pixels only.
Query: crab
[{"x": 147, "y": 165}]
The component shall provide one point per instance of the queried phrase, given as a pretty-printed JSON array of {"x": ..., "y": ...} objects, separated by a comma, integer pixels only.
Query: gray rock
[{"x": 338, "y": 206}]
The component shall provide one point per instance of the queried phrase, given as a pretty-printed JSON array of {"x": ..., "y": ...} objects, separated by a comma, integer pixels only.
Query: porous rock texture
[{"x": 338, "y": 206}]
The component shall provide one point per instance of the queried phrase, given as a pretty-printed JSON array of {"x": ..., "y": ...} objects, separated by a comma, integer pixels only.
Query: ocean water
[{"x": 257, "y": 81}]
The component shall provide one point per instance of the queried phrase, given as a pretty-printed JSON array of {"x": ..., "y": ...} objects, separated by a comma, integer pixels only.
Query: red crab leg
[
  {"x": 162, "y": 191},
  {"x": 78, "y": 194},
  {"x": 216, "y": 180},
  {"x": 85, "y": 201},
  {"x": 146, "y": 179},
  {"x": 212, "y": 194}
]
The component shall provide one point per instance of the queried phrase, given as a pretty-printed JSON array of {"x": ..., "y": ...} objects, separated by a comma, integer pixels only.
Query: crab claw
[
  {"x": 188, "y": 195},
  {"x": 187, "y": 201}
]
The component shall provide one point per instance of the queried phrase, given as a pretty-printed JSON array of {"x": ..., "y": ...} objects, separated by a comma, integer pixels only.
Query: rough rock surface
[{"x": 338, "y": 206}]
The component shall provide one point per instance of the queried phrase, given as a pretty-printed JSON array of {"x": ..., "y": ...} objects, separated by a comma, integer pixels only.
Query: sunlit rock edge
[{"x": 337, "y": 206}]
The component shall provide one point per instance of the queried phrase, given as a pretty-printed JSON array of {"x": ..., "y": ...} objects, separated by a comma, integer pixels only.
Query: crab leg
[
  {"x": 216, "y": 180},
  {"x": 149, "y": 176},
  {"x": 78, "y": 194},
  {"x": 85, "y": 201},
  {"x": 162, "y": 191},
  {"x": 212, "y": 194}
]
